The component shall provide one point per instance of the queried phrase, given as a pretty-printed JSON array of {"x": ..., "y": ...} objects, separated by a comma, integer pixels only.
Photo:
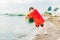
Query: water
[{"x": 14, "y": 27}]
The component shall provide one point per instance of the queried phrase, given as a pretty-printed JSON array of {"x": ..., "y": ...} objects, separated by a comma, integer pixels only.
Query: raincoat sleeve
[{"x": 30, "y": 15}]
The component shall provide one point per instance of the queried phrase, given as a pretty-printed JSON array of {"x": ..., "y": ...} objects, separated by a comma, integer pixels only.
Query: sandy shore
[{"x": 53, "y": 30}]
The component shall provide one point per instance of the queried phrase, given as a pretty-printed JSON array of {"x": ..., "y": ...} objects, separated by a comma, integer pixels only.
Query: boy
[{"x": 38, "y": 19}]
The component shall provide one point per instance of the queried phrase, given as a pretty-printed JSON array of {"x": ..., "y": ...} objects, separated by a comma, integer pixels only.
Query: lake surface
[{"x": 16, "y": 28}]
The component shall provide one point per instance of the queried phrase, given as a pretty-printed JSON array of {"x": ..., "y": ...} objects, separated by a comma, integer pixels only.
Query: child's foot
[
  {"x": 36, "y": 33},
  {"x": 45, "y": 33}
]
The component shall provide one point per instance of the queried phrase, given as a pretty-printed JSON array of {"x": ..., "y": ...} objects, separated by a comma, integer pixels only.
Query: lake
[{"x": 16, "y": 28}]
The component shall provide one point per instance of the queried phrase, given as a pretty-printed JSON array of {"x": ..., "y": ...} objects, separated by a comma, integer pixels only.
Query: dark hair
[{"x": 31, "y": 8}]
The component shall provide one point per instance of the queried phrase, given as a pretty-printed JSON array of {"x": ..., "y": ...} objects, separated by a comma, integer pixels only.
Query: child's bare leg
[
  {"x": 37, "y": 31},
  {"x": 44, "y": 28}
]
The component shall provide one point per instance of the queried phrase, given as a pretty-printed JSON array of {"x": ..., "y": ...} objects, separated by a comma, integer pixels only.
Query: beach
[{"x": 53, "y": 29}]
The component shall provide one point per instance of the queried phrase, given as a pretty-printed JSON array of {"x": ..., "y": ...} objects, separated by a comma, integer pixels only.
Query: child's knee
[
  {"x": 37, "y": 26},
  {"x": 42, "y": 25}
]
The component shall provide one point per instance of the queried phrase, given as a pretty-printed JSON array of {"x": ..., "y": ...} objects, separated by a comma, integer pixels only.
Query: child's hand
[{"x": 26, "y": 17}]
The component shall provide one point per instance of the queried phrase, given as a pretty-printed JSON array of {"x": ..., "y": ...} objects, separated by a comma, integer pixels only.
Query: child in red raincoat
[{"x": 38, "y": 19}]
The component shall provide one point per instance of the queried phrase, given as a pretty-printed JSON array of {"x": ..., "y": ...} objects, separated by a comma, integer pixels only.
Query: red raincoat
[{"x": 38, "y": 19}]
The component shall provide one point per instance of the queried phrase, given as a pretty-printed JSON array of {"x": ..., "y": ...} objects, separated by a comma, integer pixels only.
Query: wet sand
[{"x": 53, "y": 29}]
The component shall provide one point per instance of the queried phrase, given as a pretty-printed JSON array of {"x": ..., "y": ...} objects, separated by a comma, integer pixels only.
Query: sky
[{"x": 21, "y": 6}]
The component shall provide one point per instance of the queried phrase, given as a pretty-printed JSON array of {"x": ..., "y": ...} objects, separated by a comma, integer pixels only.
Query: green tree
[
  {"x": 56, "y": 9},
  {"x": 50, "y": 8}
]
